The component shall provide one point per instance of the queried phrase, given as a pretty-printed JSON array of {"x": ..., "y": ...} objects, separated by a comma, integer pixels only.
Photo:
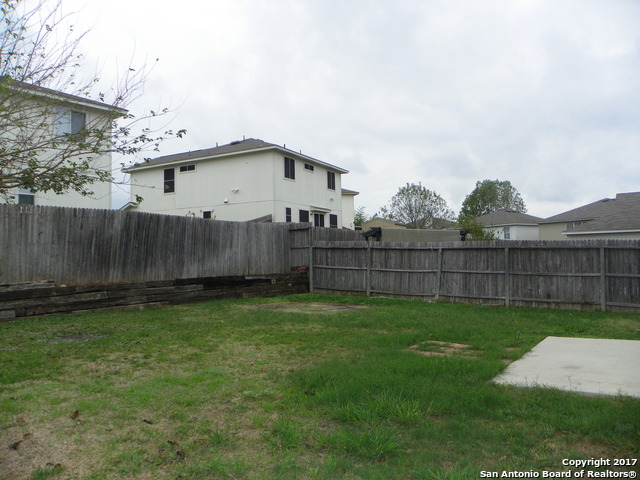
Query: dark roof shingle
[
  {"x": 607, "y": 215},
  {"x": 247, "y": 145},
  {"x": 508, "y": 217}
]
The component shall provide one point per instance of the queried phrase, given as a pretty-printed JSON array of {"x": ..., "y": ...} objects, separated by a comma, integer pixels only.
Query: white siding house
[
  {"x": 248, "y": 180},
  {"x": 45, "y": 116},
  {"x": 510, "y": 225}
]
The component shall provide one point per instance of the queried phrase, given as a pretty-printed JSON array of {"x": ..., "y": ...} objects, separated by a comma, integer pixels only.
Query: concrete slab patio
[{"x": 583, "y": 365}]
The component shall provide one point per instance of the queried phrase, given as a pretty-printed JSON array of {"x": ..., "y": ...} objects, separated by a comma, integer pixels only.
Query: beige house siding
[
  {"x": 380, "y": 222},
  {"x": 553, "y": 231}
]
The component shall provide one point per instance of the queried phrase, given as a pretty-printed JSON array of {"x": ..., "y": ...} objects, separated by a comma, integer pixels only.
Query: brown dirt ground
[{"x": 433, "y": 348}]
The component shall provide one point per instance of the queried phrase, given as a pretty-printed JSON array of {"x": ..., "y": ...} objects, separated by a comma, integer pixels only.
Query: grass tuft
[{"x": 373, "y": 443}]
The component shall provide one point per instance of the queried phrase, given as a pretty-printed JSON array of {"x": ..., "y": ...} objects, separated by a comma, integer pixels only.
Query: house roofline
[
  {"x": 600, "y": 232},
  {"x": 511, "y": 225},
  {"x": 29, "y": 89},
  {"x": 568, "y": 220},
  {"x": 200, "y": 155}
]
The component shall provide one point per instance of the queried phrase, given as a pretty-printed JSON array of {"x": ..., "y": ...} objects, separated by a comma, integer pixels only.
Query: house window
[
  {"x": 25, "y": 197},
  {"x": 308, "y": 167},
  {"x": 187, "y": 168},
  {"x": 304, "y": 215},
  {"x": 69, "y": 122},
  {"x": 571, "y": 225},
  {"x": 289, "y": 168},
  {"x": 333, "y": 221},
  {"x": 169, "y": 180},
  {"x": 331, "y": 180},
  {"x": 318, "y": 219},
  {"x": 287, "y": 214},
  {"x": 507, "y": 233},
  {"x": 206, "y": 214}
]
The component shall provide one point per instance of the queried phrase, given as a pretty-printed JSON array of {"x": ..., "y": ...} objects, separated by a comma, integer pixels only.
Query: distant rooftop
[
  {"x": 607, "y": 215},
  {"x": 508, "y": 217},
  {"x": 234, "y": 148}
]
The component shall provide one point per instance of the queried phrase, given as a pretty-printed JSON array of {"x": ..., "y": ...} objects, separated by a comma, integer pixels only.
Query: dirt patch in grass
[
  {"x": 309, "y": 308},
  {"x": 30, "y": 446},
  {"x": 433, "y": 348}
]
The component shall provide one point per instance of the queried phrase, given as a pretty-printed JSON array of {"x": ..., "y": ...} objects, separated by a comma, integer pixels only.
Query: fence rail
[{"x": 568, "y": 274}]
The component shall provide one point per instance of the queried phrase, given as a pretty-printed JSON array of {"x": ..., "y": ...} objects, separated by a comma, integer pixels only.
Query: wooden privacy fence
[
  {"x": 566, "y": 274},
  {"x": 76, "y": 246}
]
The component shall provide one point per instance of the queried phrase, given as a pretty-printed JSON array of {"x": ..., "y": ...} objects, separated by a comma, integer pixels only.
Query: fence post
[
  {"x": 310, "y": 259},
  {"x": 439, "y": 273},
  {"x": 369, "y": 261},
  {"x": 603, "y": 279},
  {"x": 507, "y": 278}
]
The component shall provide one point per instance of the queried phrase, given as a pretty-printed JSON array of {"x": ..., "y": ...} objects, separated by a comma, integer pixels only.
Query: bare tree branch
[{"x": 39, "y": 79}]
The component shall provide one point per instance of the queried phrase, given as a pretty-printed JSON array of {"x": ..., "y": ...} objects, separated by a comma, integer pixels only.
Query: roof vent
[{"x": 235, "y": 142}]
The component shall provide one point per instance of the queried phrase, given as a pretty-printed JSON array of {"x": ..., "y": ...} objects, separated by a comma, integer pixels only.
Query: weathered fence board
[
  {"x": 79, "y": 247},
  {"x": 567, "y": 274},
  {"x": 86, "y": 246}
]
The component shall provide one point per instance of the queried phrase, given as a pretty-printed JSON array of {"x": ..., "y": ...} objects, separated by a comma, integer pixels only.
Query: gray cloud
[{"x": 538, "y": 92}]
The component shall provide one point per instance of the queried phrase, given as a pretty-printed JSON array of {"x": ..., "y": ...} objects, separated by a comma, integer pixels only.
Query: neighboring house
[
  {"x": 404, "y": 235},
  {"x": 348, "y": 208},
  {"x": 384, "y": 230},
  {"x": 376, "y": 222},
  {"x": 248, "y": 180},
  {"x": 609, "y": 218},
  {"x": 47, "y": 114},
  {"x": 510, "y": 225},
  {"x": 437, "y": 224}
]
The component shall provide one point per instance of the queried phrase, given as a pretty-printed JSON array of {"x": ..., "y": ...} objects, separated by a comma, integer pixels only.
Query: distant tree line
[{"x": 415, "y": 206}]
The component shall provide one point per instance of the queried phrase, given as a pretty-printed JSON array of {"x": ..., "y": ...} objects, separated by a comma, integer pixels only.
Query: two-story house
[
  {"x": 609, "y": 218},
  {"x": 245, "y": 180},
  {"x": 36, "y": 121}
]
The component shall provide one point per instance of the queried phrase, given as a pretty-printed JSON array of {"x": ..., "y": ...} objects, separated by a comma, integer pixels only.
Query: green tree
[
  {"x": 489, "y": 196},
  {"x": 360, "y": 217},
  {"x": 39, "y": 59},
  {"x": 416, "y": 207},
  {"x": 475, "y": 230}
]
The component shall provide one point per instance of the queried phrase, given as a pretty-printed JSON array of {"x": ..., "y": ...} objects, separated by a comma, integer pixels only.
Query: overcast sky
[{"x": 543, "y": 93}]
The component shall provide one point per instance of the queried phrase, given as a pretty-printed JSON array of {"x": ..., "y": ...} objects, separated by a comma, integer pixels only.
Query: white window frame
[
  {"x": 69, "y": 121},
  {"x": 23, "y": 194}
]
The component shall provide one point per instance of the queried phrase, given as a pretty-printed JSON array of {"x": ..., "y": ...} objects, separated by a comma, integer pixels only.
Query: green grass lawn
[{"x": 249, "y": 389}]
